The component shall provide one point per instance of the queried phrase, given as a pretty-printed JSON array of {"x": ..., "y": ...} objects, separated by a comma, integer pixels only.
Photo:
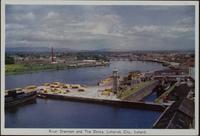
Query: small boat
[
  {"x": 18, "y": 96},
  {"x": 41, "y": 95}
]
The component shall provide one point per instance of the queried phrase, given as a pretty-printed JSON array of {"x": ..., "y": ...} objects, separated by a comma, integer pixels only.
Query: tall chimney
[{"x": 52, "y": 55}]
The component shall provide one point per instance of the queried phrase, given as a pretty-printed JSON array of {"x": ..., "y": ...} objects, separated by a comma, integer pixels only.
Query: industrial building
[{"x": 180, "y": 115}]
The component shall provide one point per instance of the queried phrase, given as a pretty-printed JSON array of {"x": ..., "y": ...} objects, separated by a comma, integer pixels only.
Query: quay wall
[
  {"x": 128, "y": 104},
  {"x": 141, "y": 94}
]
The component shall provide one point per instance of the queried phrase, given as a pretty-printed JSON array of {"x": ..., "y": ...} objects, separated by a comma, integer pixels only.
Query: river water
[
  {"x": 87, "y": 76},
  {"x": 67, "y": 114}
]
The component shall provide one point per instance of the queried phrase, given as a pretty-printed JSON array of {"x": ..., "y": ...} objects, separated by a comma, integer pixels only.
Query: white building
[{"x": 192, "y": 72}]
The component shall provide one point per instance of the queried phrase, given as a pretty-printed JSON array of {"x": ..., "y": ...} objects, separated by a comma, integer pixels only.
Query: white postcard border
[{"x": 49, "y": 131}]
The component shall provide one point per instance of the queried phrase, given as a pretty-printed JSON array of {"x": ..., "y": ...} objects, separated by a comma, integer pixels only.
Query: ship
[{"x": 18, "y": 96}]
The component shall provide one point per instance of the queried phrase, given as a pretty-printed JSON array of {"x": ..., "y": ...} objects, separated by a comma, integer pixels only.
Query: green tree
[{"x": 9, "y": 60}]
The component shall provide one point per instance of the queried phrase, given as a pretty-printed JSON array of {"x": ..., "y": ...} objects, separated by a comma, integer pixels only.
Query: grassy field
[
  {"x": 134, "y": 89},
  {"x": 23, "y": 68}
]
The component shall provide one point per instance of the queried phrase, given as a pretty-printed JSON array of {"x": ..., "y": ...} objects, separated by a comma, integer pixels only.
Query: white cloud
[
  {"x": 25, "y": 17},
  {"x": 158, "y": 8},
  {"x": 94, "y": 27},
  {"x": 144, "y": 29},
  {"x": 171, "y": 31},
  {"x": 30, "y": 16},
  {"x": 185, "y": 21},
  {"x": 15, "y": 26},
  {"x": 179, "y": 29},
  {"x": 52, "y": 15}
]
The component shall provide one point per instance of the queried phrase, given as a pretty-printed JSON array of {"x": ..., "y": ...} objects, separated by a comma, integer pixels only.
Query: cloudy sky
[{"x": 101, "y": 27}]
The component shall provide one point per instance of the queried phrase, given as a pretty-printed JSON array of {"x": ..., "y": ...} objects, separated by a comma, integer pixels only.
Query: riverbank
[{"x": 12, "y": 69}]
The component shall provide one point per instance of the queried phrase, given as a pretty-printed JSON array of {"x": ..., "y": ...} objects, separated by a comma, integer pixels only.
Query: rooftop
[{"x": 180, "y": 114}]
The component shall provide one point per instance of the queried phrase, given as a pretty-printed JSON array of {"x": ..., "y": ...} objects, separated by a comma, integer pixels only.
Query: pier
[{"x": 119, "y": 103}]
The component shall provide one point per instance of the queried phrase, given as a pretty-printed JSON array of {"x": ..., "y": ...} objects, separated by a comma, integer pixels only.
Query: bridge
[{"x": 120, "y": 59}]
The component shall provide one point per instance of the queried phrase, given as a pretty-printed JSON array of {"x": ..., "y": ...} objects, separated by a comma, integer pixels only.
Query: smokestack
[{"x": 52, "y": 55}]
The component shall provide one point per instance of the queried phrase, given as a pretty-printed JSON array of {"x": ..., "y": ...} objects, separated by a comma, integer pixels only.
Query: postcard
[{"x": 99, "y": 67}]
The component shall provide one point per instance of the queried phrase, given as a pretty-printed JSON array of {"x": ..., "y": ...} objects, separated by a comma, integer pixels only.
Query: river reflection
[{"x": 14, "y": 109}]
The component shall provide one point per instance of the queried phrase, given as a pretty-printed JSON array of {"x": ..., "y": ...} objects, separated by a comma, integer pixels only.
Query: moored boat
[{"x": 18, "y": 96}]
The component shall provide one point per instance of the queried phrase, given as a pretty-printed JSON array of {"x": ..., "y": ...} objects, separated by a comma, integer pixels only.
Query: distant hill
[
  {"x": 48, "y": 49},
  {"x": 36, "y": 49}
]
